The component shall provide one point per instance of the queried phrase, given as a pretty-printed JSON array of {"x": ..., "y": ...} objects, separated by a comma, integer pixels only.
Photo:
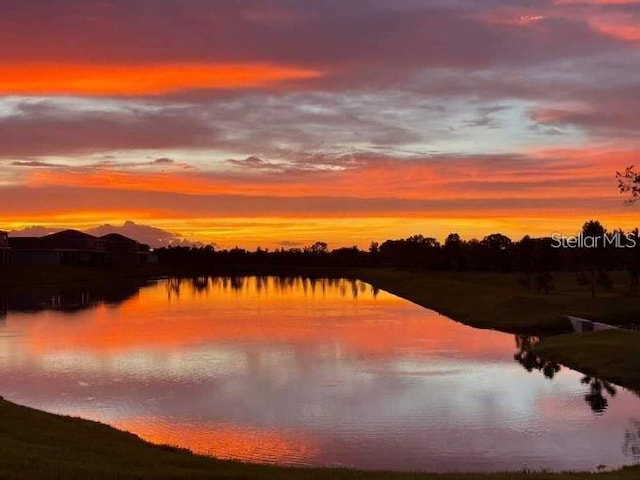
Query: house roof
[
  {"x": 116, "y": 237},
  {"x": 72, "y": 240},
  {"x": 76, "y": 240},
  {"x": 68, "y": 235},
  {"x": 117, "y": 242},
  {"x": 24, "y": 243}
]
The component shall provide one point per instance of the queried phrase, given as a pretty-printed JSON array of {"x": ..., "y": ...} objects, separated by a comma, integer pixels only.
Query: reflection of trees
[
  {"x": 596, "y": 397},
  {"x": 70, "y": 299},
  {"x": 264, "y": 285},
  {"x": 200, "y": 284},
  {"x": 313, "y": 283},
  {"x": 173, "y": 287},
  {"x": 4, "y": 306},
  {"x": 236, "y": 283},
  {"x": 354, "y": 289},
  {"x": 531, "y": 361}
]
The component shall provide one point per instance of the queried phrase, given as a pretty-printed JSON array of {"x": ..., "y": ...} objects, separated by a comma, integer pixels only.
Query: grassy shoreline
[
  {"x": 35, "y": 444},
  {"x": 498, "y": 301}
]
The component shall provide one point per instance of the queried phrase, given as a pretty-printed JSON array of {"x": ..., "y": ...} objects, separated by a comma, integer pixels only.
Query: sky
[{"x": 278, "y": 123}]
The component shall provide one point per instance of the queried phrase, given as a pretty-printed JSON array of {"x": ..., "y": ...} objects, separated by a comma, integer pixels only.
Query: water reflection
[
  {"x": 596, "y": 397},
  {"x": 4, "y": 307},
  {"x": 306, "y": 371},
  {"x": 632, "y": 441},
  {"x": 269, "y": 284},
  {"x": 530, "y": 360},
  {"x": 69, "y": 299},
  {"x": 599, "y": 389}
]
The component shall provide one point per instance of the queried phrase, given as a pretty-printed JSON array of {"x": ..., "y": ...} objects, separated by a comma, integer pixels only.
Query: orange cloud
[
  {"x": 617, "y": 28},
  {"x": 85, "y": 79},
  {"x": 374, "y": 199},
  {"x": 388, "y": 178}
]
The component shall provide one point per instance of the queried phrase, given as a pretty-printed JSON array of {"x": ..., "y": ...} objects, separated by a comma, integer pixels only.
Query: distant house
[
  {"x": 74, "y": 247},
  {"x": 121, "y": 249},
  {"x": 62, "y": 248},
  {"x": 4, "y": 248}
]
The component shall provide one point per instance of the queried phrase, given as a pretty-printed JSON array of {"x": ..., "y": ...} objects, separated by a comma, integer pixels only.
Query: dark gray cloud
[
  {"x": 326, "y": 33},
  {"x": 46, "y": 128},
  {"x": 36, "y": 164}
]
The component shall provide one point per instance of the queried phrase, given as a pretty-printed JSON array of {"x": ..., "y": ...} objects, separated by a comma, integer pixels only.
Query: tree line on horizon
[{"x": 535, "y": 258}]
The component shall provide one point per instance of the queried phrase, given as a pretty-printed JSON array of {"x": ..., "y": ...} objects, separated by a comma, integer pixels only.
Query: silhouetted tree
[
  {"x": 497, "y": 249},
  {"x": 534, "y": 258},
  {"x": 629, "y": 183},
  {"x": 319, "y": 248},
  {"x": 497, "y": 241},
  {"x": 523, "y": 259},
  {"x": 593, "y": 235},
  {"x": 454, "y": 252}
]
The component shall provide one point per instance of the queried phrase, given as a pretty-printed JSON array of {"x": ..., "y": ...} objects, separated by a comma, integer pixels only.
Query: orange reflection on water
[
  {"x": 284, "y": 370},
  {"x": 225, "y": 441},
  {"x": 179, "y": 313}
]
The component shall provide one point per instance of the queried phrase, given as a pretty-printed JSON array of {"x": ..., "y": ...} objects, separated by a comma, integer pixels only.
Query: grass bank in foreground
[{"x": 39, "y": 445}]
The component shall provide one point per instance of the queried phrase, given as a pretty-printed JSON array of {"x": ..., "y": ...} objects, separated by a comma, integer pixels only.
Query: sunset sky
[{"x": 282, "y": 122}]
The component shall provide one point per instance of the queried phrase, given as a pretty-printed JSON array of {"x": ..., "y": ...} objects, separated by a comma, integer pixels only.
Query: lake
[{"x": 307, "y": 372}]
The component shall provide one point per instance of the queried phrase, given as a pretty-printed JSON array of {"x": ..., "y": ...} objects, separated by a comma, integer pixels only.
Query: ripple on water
[{"x": 313, "y": 373}]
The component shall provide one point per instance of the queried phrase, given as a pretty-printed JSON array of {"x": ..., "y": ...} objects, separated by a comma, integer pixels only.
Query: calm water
[{"x": 311, "y": 373}]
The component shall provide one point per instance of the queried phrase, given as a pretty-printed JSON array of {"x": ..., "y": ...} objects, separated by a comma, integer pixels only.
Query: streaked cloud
[
  {"x": 486, "y": 112},
  {"x": 139, "y": 80}
]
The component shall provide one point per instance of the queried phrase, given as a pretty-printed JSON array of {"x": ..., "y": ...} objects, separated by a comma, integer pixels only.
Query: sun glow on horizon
[
  {"x": 283, "y": 232},
  {"x": 279, "y": 124}
]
